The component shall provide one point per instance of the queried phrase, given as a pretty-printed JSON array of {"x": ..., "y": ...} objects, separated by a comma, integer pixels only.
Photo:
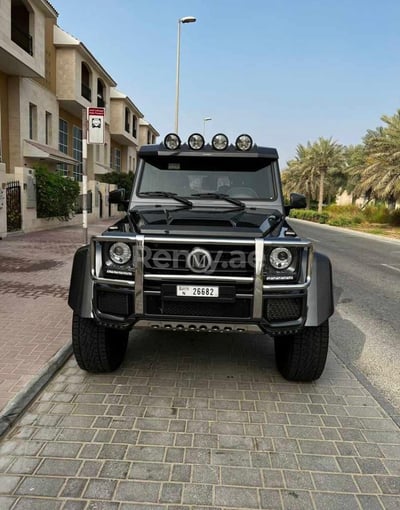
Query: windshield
[{"x": 187, "y": 180}]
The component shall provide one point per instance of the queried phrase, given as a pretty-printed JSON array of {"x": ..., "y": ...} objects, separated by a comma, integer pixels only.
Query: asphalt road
[{"x": 366, "y": 324}]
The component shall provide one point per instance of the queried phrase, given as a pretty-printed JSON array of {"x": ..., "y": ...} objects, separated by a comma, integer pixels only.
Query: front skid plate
[{"x": 201, "y": 327}]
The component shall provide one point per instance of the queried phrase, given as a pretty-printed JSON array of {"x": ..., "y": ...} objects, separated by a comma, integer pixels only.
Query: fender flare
[
  {"x": 81, "y": 285},
  {"x": 320, "y": 293}
]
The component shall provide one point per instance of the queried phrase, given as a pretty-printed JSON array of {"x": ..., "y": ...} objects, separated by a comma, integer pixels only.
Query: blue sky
[{"x": 284, "y": 71}]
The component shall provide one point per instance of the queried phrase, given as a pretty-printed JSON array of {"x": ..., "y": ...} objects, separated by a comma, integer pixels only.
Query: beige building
[{"x": 48, "y": 79}]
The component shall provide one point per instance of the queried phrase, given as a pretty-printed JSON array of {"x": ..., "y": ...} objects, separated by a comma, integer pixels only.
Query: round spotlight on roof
[
  {"x": 172, "y": 141},
  {"x": 196, "y": 141},
  {"x": 244, "y": 142},
  {"x": 220, "y": 142}
]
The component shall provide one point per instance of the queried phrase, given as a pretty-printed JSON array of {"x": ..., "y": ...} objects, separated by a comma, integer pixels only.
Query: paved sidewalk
[
  {"x": 199, "y": 422},
  {"x": 35, "y": 320}
]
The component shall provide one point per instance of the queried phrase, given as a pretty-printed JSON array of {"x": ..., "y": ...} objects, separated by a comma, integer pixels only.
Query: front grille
[
  {"x": 282, "y": 309},
  {"x": 155, "y": 305},
  {"x": 228, "y": 260}
]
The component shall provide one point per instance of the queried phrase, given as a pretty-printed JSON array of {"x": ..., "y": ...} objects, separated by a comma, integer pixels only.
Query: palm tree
[
  {"x": 325, "y": 155},
  {"x": 381, "y": 176},
  {"x": 299, "y": 176}
]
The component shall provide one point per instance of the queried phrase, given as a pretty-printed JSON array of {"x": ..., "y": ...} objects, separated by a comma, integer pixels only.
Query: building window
[
  {"x": 101, "y": 90},
  {"x": 148, "y": 137},
  {"x": 48, "y": 128},
  {"x": 127, "y": 120},
  {"x": 153, "y": 139},
  {"x": 77, "y": 151},
  {"x": 134, "y": 125},
  {"x": 63, "y": 144},
  {"x": 21, "y": 21},
  {"x": 86, "y": 78},
  {"x": 116, "y": 159},
  {"x": 32, "y": 121}
]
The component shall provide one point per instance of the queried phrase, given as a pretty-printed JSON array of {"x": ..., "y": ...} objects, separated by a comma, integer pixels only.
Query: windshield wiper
[
  {"x": 167, "y": 194},
  {"x": 223, "y": 196}
]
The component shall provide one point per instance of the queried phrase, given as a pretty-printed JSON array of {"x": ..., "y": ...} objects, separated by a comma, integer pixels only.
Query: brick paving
[
  {"x": 195, "y": 421},
  {"x": 190, "y": 421},
  {"x": 34, "y": 317}
]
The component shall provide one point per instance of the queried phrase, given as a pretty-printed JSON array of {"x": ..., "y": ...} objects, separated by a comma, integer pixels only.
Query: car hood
[{"x": 225, "y": 222}]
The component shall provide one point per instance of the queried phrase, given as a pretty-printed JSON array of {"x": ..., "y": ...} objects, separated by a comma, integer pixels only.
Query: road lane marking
[
  {"x": 314, "y": 240},
  {"x": 391, "y": 267}
]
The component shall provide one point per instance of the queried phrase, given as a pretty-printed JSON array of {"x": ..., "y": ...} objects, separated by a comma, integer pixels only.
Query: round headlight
[
  {"x": 172, "y": 141},
  {"x": 244, "y": 142},
  {"x": 280, "y": 258},
  {"x": 196, "y": 141},
  {"x": 220, "y": 142},
  {"x": 120, "y": 253}
]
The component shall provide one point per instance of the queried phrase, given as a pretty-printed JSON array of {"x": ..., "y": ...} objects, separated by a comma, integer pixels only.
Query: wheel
[
  {"x": 302, "y": 356},
  {"x": 97, "y": 348}
]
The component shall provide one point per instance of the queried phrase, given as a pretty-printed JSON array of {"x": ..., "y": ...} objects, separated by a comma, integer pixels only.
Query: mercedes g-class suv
[{"x": 204, "y": 247}]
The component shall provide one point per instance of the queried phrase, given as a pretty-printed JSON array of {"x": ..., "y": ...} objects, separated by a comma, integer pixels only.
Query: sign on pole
[{"x": 96, "y": 123}]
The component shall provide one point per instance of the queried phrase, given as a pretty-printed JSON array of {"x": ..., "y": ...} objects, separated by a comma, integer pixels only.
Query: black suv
[{"x": 204, "y": 247}]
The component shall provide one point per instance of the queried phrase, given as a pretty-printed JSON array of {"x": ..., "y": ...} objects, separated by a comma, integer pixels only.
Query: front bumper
[{"x": 246, "y": 303}]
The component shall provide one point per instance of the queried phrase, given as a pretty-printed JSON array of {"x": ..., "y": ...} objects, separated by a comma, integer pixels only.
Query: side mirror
[
  {"x": 297, "y": 201},
  {"x": 117, "y": 196}
]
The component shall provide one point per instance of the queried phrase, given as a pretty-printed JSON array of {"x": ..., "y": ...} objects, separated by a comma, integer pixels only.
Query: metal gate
[{"x": 13, "y": 197}]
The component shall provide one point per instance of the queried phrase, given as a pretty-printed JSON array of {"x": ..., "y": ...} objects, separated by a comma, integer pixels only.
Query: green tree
[
  {"x": 121, "y": 179},
  {"x": 299, "y": 176},
  {"x": 380, "y": 178},
  {"x": 56, "y": 194},
  {"x": 325, "y": 156}
]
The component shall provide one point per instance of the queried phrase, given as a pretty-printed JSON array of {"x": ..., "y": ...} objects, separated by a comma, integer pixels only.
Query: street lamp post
[
  {"x": 186, "y": 19},
  {"x": 206, "y": 119}
]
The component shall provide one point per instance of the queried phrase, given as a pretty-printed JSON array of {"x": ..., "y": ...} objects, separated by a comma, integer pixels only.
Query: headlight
[
  {"x": 172, "y": 142},
  {"x": 244, "y": 142},
  {"x": 120, "y": 253},
  {"x": 280, "y": 258},
  {"x": 196, "y": 141},
  {"x": 220, "y": 142}
]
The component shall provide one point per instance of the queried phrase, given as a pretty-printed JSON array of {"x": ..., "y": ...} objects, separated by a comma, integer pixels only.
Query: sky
[{"x": 284, "y": 71}]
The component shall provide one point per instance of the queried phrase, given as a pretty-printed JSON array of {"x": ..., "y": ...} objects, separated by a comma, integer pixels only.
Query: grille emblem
[{"x": 199, "y": 260}]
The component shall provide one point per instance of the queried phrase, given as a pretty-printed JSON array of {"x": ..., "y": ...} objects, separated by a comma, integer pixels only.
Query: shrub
[
  {"x": 122, "y": 180},
  {"x": 307, "y": 214},
  {"x": 56, "y": 194},
  {"x": 394, "y": 218},
  {"x": 376, "y": 214},
  {"x": 341, "y": 220}
]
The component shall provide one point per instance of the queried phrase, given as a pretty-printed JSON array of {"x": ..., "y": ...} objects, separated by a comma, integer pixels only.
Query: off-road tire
[
  {"x": 302, "y": 356},
  {"x": 97, "y": 348}
]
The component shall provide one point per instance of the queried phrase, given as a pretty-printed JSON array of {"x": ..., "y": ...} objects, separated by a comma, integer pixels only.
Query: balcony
[{"x": 22, "y": 38}]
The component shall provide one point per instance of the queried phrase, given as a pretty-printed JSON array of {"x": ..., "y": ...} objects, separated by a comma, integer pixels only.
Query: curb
[
  {"x": 376, "y": 237},
  {"x": 375, "y": 393},
  {"x": 21, "y": 401}
]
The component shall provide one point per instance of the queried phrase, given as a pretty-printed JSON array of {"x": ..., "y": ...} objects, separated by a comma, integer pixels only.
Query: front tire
[
  {"x": 302, "y": 356},
  {"x": 97, "y": 348}
]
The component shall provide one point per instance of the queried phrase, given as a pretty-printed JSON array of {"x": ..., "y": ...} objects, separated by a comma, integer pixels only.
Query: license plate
[{"x": 197, "y": 291}]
